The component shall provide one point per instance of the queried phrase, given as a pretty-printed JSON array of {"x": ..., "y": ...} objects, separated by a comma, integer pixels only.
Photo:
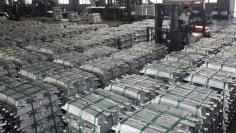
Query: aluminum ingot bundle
[
  {"x": 221, "y": 81},
  {"x": 7, "y": 68},
  {"x": 224, "y": 37},
  {"x": 157, "y": 118},
  {"x": 21, "y": 56},
  {"x": 106, "y": 68},
  {"x": 73, "y": 80},
  {"x": 136, "y": 59},
  {"x": 97, "y": 112},
  {"x": 223, "y": 64},
  {"x": 202, "y": 102},
  {"x": 71, "y": 59},
  {"x": 100, "y": 51},
  {"x": 94, "y": 18},
  {"x": 34, "y": 106},
  {"x": 212, "y": 78},
  {"x": 39, "y": 70},
  {"x": 73, "y": 17},
  {"x": 157, "y": 50},
  {"x": 192, "y": 59},
  {"x": 202, "y": 50},
  {"x": 228, "y": 52},
  {"x": 49, "y": 48},
  {"x": 214, "y": 42},
  {"x": 168, "y": 70},
  {"x": 5, "y": 52},
  {"x": 139, "y": 88}
]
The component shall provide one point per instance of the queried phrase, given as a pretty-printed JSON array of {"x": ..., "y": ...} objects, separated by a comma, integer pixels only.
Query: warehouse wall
[
  {"x": 74, "y": 5},
  {"x": 232, "y": 8}
]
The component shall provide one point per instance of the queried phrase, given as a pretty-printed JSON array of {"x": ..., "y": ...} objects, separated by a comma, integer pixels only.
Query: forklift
[{"x": 177, "y": 36}]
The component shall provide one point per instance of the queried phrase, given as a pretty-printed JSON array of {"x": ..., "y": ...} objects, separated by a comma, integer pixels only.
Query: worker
[
  {"x": 97, "y": 3},
  {"x": 16, "y": 10},
  {"x": 184, "y": 16},
  {"x": 184, "y": 25}
]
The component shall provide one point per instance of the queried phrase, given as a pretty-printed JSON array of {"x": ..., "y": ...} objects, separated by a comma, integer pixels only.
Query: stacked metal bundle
[
  {"x": 168, "y": 70},
  {"x": 73, "y": 80},
  {"x": 228, "y": 51},
  {"x": 199, "y": 101},
  {"x": 94, "y": 18},
  {"x": 121, "y": 37},
  {"x": 94, "y": 112},
  {"x": 21, "y": 56},
  {"x": 29, "y": 106},
  {"x": 221, "y": 63},
  {"x": 135, "y": 59},
  {"x": 223, "y": 82},
  {"x": 107, "y": 68},
  {"x": 212, "y": 78},
  {"x": 226, "y": 38},
  {"x": 43, "y": 31},
  {"x": 73, "y": 17},
  {"x": 203, "y": 49},
  {"x": 100, "y": 51},
  {"x": 7, "y": 68},
  {"x": 124, "y": 37},
  {"x": 140, "y": 89},
  {"x": 192, "y": 59},
  {"x": 155, "y": 118},
  {"x": 157, "y": 51},
  {"x": 39, "y": 70},
  {"x": 49, "y": 48},
  {"x": 71, "y": 59}
]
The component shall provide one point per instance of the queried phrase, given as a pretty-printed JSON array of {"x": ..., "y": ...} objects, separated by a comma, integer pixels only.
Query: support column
[
  {"x": 158, "y": 22},
  {"x": 173, "y": 26}
]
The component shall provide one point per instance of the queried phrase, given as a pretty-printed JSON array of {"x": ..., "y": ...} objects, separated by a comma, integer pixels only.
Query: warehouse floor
[{"x": 232, "y": 128}]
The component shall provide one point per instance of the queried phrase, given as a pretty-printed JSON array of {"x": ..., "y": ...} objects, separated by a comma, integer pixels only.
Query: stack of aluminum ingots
[
  {"x": 39, "y": 70},
  {"x": 94, "y": 18},
  {"x": 71, "y": 59},
  {"x": 119, "y": 37},
  {"x": 221, "y": 63},
  {"x": 138, "y": 56},
  {"x": 224, "y": 82},
  {"x": 69, "y": 81},
  {"x": 156, "y": 118},
  {"x": 29, "y": 106},
  {"x": 97, "y": 111},
  {"x": 7, "y": 68},
  {"x": 73, "y": 80},
  {"x": 193, "y": 59},
  {"x": 225, "y": 37},
  {"x": 49, "y": 48},
  {"x": 208, "y": 46},
  {"x": 168, "y": 70},
  {"x": 199, "y": 101},
  {"x": 139, "y": 88},
  {"x": 100, "y": 51},
  {"x": 135, "y": 59},
  {"x": 228, "y": 51},
  {"x": 157, "y": 50},
  {"x": 21, "y": 56},
  {"x": 203, "y": 49},
  {"x": 43, "y": 31},
  {"x": 106, "y": 68}
]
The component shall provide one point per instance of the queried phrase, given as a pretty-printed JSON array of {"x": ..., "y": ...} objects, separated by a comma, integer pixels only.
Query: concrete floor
[{"x": 232, "y": 127}]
